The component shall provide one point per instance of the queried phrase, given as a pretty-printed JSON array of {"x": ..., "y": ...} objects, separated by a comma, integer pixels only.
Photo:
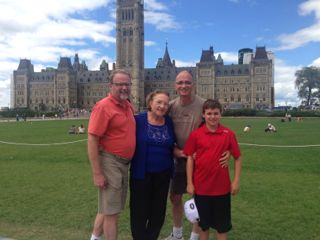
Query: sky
[{"x": 44, "y": 31}]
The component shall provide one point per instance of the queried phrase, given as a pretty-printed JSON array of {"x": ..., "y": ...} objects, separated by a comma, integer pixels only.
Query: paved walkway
[{"x": 4, "y": 238}]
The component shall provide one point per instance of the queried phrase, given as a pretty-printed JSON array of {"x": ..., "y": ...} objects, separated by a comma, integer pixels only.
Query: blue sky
[{"x": 289, "y": 28}]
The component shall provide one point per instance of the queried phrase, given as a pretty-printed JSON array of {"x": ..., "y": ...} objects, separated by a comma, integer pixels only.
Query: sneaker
[{"x": 172, "y": 237}]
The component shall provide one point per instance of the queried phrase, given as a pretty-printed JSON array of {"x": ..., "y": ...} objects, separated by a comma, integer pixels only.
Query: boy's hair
[{"x": 211, "y": 104}]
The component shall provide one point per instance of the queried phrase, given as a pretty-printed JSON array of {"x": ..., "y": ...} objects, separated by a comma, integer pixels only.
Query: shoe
[{"x": 172, "y": 237}]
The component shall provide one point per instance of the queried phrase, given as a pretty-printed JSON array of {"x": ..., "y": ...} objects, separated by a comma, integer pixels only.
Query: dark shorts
[
  {"x": 178, "y": 183},
  {"x": 214, "y": 212}
]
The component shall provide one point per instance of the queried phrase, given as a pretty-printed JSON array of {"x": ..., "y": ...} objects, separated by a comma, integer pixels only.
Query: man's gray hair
[{"x": 114, "y": 72}]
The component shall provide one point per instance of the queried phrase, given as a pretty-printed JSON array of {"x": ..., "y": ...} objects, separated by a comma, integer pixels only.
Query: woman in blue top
[{"x": 151, "y": 168}]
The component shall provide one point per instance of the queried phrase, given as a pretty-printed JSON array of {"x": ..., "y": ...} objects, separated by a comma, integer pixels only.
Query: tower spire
[{"x": 166, "y": 57}]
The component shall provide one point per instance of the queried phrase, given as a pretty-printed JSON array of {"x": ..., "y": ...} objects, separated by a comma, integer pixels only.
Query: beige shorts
[{"x": 112, "y": 199}]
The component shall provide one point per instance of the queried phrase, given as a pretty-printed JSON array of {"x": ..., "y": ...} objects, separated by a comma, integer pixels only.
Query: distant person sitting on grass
[
  {"x": 81, "y": 129},
  {"x": 270, "y": 128},
  {"x": 72, "y": 130}
]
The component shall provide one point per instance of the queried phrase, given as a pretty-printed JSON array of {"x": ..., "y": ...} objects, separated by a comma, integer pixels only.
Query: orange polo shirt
[{"x": 115, "y": 125}]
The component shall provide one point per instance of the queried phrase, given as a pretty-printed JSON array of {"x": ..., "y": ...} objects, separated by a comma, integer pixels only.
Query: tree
[{"x": 308, "y": 84}]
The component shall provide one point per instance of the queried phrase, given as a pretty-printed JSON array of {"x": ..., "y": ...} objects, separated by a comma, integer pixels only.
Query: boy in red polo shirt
[{"x": 207, "y": 179}]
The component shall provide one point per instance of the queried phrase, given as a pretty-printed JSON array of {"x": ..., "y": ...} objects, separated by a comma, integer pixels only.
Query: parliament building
[{"x": 248, "y": 84}]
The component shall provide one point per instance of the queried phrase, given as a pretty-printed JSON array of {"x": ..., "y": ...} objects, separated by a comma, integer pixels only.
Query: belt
[{"x": 122, "y": 160}]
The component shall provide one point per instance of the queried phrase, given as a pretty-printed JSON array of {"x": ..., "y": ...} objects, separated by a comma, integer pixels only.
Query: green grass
[{"x": 46, "y": 192}]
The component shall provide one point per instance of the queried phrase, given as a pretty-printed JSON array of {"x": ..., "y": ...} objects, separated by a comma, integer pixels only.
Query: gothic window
[
  {"x": 225, "y": 72},
  {"x": 232, "y": 72},
  {"x": 239, "y": 71}
]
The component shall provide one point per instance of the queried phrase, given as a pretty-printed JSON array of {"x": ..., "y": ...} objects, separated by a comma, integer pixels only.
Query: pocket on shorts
[{"x": 113, "y": 174}]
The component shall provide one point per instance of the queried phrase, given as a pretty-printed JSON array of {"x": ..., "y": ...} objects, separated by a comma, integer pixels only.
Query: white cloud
[
  {"x": 161, "y": 20},
  {"x": 45, "y": 30},
  {"x": 180, "y": 63},
  {"x": 153, "y": 5},
  {"x": 156, "y": 14},
  {"x": 309, "y": 7},
  {"x": 285, "y": 91},
  {"x": 5, "y": 92},
  {"x": 316, "y": 62},
  {"x": 228, "y": 57},
  {"x": 300, "y": 38},
  {"x": 149, "y": 43},
  {"x": 304, "y": 35}
]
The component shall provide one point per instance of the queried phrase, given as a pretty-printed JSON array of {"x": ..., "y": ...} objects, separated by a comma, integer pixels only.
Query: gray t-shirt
[{"x": 185, "y": 120}]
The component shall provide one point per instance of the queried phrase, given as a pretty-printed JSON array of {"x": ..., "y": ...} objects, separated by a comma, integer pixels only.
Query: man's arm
[
  {"x": 235, "y": 185},
  {"x": 189, "y": 170},
  {"x": 178, "y": 153},
  {"x": 93, "y": 154}
]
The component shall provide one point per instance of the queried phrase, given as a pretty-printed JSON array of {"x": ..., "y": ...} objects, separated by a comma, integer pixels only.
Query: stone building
[{"x": 248, "y": 84}]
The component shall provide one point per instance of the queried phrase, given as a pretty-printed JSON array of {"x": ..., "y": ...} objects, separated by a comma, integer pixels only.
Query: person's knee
[
  {"x": 176, "y": 199},
  {"x": 111, "y": 218}
]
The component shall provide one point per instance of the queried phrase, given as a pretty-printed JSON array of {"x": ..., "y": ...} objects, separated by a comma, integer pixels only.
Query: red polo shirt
[
  {"x": 209, "y": 178},
  {"x": 115, "y": 125}
]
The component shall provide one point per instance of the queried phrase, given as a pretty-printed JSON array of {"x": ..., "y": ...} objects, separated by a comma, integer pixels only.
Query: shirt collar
[
  {"x": 220, "y": 129},
  {"x": 117, "y": 102}
]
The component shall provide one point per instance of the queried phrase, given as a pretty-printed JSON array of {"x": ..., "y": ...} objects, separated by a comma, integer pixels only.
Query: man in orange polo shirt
[{"x": 111, "y": 145}]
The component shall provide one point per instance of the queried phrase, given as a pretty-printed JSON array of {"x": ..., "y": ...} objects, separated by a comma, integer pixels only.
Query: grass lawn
[{"x": 46, "y": 191}]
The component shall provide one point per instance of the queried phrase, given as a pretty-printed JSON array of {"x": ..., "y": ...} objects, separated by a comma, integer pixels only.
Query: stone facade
[{"x": 248, "y": 84}]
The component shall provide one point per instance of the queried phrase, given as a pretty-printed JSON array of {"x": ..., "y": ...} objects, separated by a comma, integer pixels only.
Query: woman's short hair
[{"x": 151, "y": 96}]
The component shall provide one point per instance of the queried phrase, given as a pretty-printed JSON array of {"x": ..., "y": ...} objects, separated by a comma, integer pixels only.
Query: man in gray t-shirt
[{"x": 186, "y": 113}]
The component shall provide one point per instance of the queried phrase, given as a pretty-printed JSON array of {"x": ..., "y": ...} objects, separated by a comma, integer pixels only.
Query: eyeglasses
[
  {"x": 122, "y": 84},
  {"x": 184, "y": 82}
]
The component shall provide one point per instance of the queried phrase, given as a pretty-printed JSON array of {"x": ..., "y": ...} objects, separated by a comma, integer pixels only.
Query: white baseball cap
[{"x": 191, "y": 211}]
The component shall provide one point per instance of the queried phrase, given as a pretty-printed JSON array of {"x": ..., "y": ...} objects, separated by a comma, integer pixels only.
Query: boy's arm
[
  {"x": 235, "y": 185},
  {"x": 189, "y": 170}
]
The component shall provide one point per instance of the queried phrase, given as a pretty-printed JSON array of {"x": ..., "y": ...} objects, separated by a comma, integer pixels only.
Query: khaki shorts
[{"x": 112, "y": 199}]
